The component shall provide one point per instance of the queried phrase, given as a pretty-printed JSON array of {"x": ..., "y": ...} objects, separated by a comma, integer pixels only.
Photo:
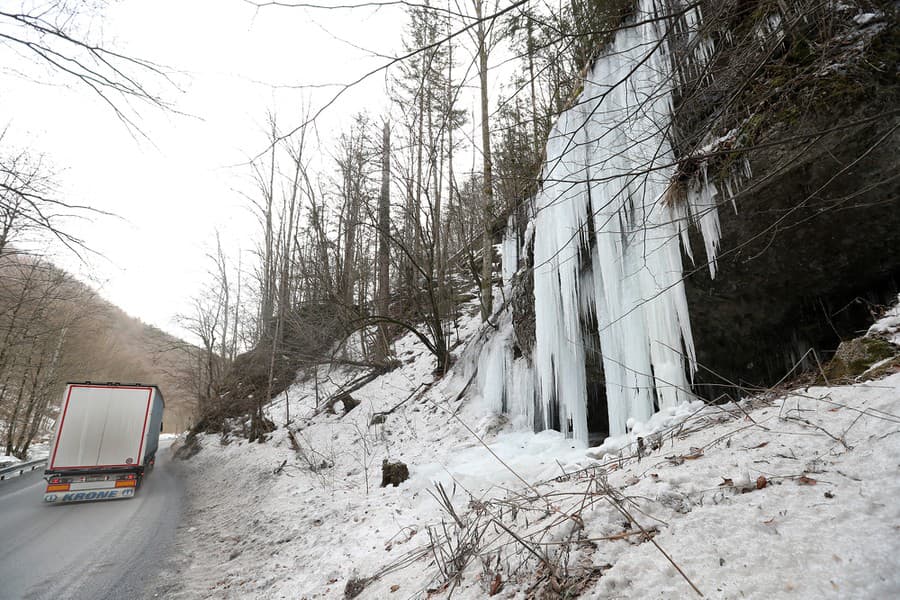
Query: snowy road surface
[{"x": 95, "y": 550}]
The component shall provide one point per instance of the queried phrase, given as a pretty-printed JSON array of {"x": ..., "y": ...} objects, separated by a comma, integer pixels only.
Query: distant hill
[
  {"x": 129, "y": 350},
  {"x": 55, "y": 329}
]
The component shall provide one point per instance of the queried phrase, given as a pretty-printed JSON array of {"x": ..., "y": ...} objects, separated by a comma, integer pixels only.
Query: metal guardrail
[{"x": 22, "y": 467}]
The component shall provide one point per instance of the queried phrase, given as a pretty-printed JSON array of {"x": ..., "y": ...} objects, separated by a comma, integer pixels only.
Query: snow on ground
[
  {"x": 888, "y": 325},
  {"x": 791, "y": 495},
  {"x": 6, "y": 459},
  {"x": 39, "y": 450},
  {"x": 36, "y": 451}
]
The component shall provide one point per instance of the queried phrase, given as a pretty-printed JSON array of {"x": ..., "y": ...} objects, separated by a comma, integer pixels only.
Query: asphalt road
[{"x": 99, "y": 550}]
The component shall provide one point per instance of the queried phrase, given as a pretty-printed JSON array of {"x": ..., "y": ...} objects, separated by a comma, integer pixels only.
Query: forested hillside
[
  {"x": 55, "y": 329},
  {"x": 638, "y": 182},
  {"x": 588, "y": 287}
]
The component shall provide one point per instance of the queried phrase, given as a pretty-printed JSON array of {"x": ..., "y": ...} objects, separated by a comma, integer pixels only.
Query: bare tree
[
  {"x": 487, "y": 266},
  {"x": 382, "y": 304},
  {"x": 31, "y": 213},
  {"x": 56, "y": 36},
  {"x": 39, "y": 307},
  {"x": 214, "y": 321}
]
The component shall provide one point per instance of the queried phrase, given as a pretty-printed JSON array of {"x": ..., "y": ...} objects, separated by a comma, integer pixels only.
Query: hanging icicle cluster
[{"x": 607, "y": 244}]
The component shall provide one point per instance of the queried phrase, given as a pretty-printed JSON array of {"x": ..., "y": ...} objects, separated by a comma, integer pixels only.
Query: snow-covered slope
[{"x": 787, "y": 495}]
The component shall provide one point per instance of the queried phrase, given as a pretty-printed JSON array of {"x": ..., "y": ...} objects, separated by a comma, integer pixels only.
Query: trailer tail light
[
  {"x": 121, "y": 483},
  {"x": 55, "y": 480},
  {"x": 58, "y": 487}
]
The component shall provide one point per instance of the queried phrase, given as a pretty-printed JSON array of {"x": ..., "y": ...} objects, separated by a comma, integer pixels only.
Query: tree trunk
[
  {"x": 384, "y": 251},
  {"x": 487, "y": 264}
]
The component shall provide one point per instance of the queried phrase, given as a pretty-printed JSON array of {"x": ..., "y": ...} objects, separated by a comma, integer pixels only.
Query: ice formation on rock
[
  {"x": 607, "y": 240},
  {"x": 504, "y": 382},
  {"x": 510, "y": 251}
]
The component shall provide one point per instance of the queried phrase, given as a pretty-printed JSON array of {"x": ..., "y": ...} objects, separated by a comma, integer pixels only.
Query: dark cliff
[{"x": 813, "y": 244}]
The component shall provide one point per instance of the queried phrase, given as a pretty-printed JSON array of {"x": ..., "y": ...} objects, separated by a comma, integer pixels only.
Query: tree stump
[
  {"x": 393, "y": 473},
  {"x": 348, "y": 402}
]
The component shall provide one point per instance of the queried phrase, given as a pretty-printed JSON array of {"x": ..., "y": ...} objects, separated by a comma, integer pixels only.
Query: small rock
[{"x": 393, "y": 473}]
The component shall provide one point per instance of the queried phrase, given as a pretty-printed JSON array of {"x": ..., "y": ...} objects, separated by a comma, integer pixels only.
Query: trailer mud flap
[{"x": 88, "y": 496}]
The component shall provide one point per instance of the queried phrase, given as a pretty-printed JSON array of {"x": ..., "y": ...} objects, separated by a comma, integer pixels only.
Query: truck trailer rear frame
[{"x": 105, "y": 442}]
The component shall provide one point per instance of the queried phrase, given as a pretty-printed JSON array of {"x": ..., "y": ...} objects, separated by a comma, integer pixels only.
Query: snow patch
[{"x": 888, "y": 325}]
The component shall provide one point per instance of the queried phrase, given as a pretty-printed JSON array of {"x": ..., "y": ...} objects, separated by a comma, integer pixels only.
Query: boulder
[{"x": 393, "y": 473}]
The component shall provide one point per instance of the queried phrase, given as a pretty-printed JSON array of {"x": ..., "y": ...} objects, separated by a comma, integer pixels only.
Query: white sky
[{"x": 176, "y": 190}]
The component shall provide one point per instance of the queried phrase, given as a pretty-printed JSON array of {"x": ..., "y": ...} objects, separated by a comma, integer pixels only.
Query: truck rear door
[{"x": 102, "y": 426}]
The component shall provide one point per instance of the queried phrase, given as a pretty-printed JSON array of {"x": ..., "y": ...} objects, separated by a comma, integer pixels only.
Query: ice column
[
  {"x": 560, "y": 234},
  {"x": 506, "y": 384},
  {"x": 607, "y": 241}
]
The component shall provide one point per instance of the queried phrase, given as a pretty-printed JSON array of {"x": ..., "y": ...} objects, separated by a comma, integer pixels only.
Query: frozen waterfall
[{"x": 607, "y": 242}]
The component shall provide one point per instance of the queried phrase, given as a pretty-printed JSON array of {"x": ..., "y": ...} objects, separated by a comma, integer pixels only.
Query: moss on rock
[{"x": 854, "y": 357}]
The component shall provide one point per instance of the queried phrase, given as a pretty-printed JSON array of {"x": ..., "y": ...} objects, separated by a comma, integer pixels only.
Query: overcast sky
[{"x": 173, "y": 191}]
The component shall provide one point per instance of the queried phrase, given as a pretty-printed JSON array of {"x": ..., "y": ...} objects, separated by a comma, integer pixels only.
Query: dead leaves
[
  {"x": 761, "y": 482},
  {"x": 496, "y": 585},
  {"x": 679, "y": 459},
  {"x": 633, "y": 480},
  {"x": 695, "y": 453}
]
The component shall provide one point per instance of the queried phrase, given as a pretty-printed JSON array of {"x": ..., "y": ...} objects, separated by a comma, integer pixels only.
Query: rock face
[
  {"x": 814, "y": 240},
  {"x": 805, "y": 94},
  {"x": 523, "y": 304},
  {"x": 806, "y": 252}
]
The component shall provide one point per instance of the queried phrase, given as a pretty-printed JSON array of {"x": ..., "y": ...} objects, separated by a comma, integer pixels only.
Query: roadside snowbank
[
  {"x": 35, "y": 451},
  {"x": 792, "y": 495}
]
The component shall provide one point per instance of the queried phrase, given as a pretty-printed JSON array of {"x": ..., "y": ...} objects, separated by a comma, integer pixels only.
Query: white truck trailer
[{"x": 106, "y": 439}]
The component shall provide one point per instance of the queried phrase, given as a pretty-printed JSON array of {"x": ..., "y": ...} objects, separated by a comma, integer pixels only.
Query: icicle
[
  {"x": 609, "y": 162},
  {"x": 559, "y": 227},
  {"x": 702, "y": 201},
  {"x": 504, "y": 383}
]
